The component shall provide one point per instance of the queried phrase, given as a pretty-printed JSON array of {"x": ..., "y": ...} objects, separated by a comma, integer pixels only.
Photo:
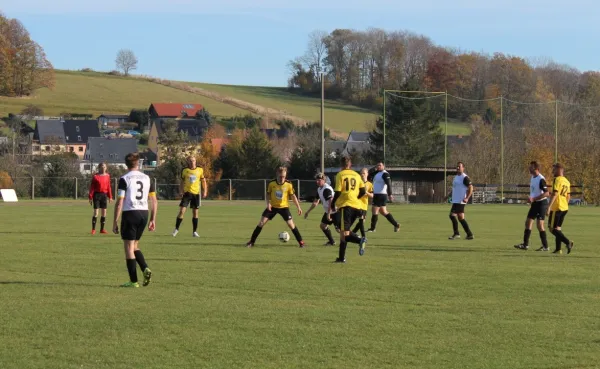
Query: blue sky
[{"x": 250, "y": 43}]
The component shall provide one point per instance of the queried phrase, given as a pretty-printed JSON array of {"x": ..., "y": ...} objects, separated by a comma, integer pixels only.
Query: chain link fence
[{"x": 411, "y": 192}]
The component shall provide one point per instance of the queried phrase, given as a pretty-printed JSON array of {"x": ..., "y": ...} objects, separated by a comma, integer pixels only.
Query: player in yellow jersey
[
  {"x": 364, "y": 173},
  {"x": 349, "y": 188},
  {"x": 189, "y": 189},
  {"x": 559, "y": 207},
  {"x": 279, "y": 191}
]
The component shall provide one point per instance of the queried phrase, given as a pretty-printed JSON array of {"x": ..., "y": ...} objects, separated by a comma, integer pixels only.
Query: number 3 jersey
[
  {"x": 562, "y": 188},
  {"x": 279, "y": 194},
  {"x": 134, "y": 188}
]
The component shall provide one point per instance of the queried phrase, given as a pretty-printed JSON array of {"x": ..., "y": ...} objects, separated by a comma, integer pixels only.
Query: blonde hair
[{"x": 281, "y": 170}]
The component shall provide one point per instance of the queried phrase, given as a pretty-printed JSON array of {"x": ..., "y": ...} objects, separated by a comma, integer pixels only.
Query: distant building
[
  {"x": 112, "y": 151},
  {"x": 159, "y": 111},
  {"x": 105, "y": 119},
  {"x": 77, "y": 133},
  {"x": 48, "y": 138}
]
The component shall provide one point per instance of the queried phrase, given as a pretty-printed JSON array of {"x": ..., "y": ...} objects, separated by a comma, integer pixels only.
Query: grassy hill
[{"x": 99, "y": 93}]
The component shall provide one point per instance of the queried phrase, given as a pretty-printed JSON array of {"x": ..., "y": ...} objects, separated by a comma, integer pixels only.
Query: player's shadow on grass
[
  {"x": 33, "y": 283},
  {"x": 261, "y": 261}
]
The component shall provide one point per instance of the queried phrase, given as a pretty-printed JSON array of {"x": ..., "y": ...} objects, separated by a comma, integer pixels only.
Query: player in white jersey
[
  {"x": 462, "y": 189},
  {"x": 382, "y": 191},
  {"x": 324, "y": 196},
  {"x": 538, "y": 198},
  {"x": 134, "y": 191}
]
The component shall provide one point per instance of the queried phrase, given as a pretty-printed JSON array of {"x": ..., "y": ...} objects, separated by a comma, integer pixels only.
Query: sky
[{"x": 250, "y": 42}]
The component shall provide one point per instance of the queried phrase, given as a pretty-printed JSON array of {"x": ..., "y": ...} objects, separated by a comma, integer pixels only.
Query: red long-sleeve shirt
[{"x": 101, "y": 184}]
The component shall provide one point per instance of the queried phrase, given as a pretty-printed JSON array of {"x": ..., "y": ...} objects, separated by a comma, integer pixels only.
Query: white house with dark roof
[
  {"x": 111, "y": 151},
  {"x": 48, "y": 138}
]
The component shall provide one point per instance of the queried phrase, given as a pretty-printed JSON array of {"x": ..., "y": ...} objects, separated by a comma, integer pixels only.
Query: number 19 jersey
[
  {"x": 348, "y": 183},
  {"x": 134, "y": 188}
]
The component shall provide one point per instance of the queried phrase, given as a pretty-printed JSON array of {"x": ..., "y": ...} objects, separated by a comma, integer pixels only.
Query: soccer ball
[{"x": 284, "y": 237}]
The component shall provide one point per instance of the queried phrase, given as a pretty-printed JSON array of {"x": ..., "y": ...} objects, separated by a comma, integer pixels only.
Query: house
[
  {"x": 48, "y": 137},
  {"x": 357, "y": 142},
  {"x": 275, "y": 132},
  {"x": 105, "y": 119},
  {"x": 77, "y": 133},
  {"x": 334, "y": 148},
  {"x": 111, "y": 151},
  {"x": 194, "y": 129},
  {"x": 158, "y": 111}
]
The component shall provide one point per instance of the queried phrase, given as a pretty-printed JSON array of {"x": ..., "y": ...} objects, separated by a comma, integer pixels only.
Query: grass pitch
[{"x": 415, "y": 300}]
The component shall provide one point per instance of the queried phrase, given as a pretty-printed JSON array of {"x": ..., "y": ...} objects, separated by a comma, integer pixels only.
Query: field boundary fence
[{"x": 255, "y": 189}]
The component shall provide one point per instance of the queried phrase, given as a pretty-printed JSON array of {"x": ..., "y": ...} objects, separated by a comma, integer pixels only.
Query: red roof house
[{"x": 173, "y": 110}]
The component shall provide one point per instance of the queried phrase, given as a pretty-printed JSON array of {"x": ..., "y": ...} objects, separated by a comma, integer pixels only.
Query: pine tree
[{"x": 413, "y": 134}]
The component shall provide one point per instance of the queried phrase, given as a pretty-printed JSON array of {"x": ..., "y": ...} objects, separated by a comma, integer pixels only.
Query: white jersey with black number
[
  {"x": 134, "y": 188},
  {"x": 380, "y": 186},
  {"x": 460, "y": 186},
  {"x": 325, "y": 194},
  {"x": 537, "y": 187}
]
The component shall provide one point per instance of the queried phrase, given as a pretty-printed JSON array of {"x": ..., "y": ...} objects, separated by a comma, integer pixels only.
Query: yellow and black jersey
[
  {"x": 365, "y": 199},
  {"x": 279, "y": 193},
  {"x": 348, "y": 183},
  {"x": 562, "y": 189},
  {"x": 191, "y": 180}
]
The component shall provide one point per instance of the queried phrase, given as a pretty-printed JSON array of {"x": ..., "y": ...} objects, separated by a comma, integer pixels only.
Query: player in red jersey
[{"x": 100, "y": 196}]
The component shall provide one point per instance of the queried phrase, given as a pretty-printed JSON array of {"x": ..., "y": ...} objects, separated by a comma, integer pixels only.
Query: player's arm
[
  {"x": 370, "y": 192},
  {"x": 121, "y": 189},
  {"x": 204, "y": 188},
  {"x": 554, "y": 196},
  {"x": 388, "y": 181},
  {"x": 467, "y": 182},
  {"x": 362, "y": 189},
  {"x": 312, "y": 206},
  {"x": 297, "y": 203},
  {"x": 92, "y": 189},
  {"x": 337, "y": 192},
  {"x": 153, "y": 206}
]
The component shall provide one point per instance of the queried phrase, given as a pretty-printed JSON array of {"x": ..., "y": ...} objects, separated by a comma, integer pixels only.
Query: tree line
[{"x": 23, "y": 64}]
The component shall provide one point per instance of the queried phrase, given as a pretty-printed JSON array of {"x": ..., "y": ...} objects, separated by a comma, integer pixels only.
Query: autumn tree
[
  {"x": 23, "y": 64},
  {"x": 126, "y": 61},
  {"x": 31, "y": 111}
]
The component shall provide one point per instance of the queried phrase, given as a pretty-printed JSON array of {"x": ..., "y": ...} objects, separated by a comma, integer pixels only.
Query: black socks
[
  {"x": 94, "y": 220},
  {"x": 454, "y": 225},
  {"x": 374, "y": 221},
  {"x": 544, "y": 239},
  {"x": 178, "y": 223},
  {"x": 327, "y": 233},
  {"x": 526, "y": 236},
  {"x": 195, "y": 224},
  {"x": 102, "y": 223},
  {"x": 465, "y": 226},
  {"x": 131, "y": 268},
  {"x": 391, "y": 219},
  {"x": 296, "y": 233},
  {"x": 139, "y": 257},
  {"x": 255, "y": 234}
]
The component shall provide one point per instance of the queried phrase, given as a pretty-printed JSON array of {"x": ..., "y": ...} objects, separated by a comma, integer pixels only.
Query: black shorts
[
  {"x": 191, "y": 200},
  {"x": 538, "y": 210},
  {"x": 133, "y": 224},
  {"x": 363, "y": 214},
  {"x": 347, "y": 217},
  {"x": 284, "y": 212},
  {"x": 457, "y": 209},
  {"x": 380, "y": 200},
  {"x": 334, "y": 219},
  {"x": 100, "y": 200},
  {"x": 556, "y": 219}
]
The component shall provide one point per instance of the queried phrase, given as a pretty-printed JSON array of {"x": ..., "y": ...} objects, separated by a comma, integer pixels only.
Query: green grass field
[{"x": 415, "y": 300}]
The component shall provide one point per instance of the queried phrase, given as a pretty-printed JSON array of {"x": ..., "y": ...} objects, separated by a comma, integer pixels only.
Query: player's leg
[
  {"x": 264, "y": 219},
  {"x": 540, "y": 218},
  {"x": 326, "y": 231},
  {"x": 560, "y": 236},
  {"x": 128, "y": 235},
  {"x": 287, "y": 216},
  {"x": 383, "y": 210},
  {"x": 94, "y": 218},
  {"x": 342, "y": 249},
  {"x": 183, "y": 205},
  {"x": 139, "y": 256},
  {"x": 103, "y": 219},
  {"x": 374, "y": 216},
  {"x": 526, "y": 234},
  {"x": 465, "y": 225},
  {"x": 454, "y": 220},
  {"x": 195, "y": 207},
  {"x": 360, "y": 225}
]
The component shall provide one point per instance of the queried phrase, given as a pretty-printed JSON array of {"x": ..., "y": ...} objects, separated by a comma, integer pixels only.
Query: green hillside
[{"x": 98, "y": 93}]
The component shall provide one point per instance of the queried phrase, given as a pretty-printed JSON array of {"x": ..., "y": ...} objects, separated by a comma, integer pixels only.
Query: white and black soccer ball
[{"x": 284, "y": 237}]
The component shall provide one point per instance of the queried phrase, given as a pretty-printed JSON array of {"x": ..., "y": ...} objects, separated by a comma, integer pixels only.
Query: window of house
[
  {"x": 67, "y": 138},
  {"x": 87, "y": 167},
  {"x": 71, "y": 149},
  {"x": 78, "y": 138},
  {"x": 80, "y": 148},
  {"x": 47, "y": 148},
  {"x": 36, "y": 148},
  {"x": 101, "y": 156},
  {"x": 77, "y": 128}
]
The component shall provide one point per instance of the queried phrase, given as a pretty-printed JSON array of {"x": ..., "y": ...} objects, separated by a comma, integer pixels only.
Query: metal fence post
[
  {"x": 298, "y": 189},
  {"x": 76, "y": 188},
  {"x": 116, "y": 185},
  {"x": 265, "y": 192},
  {"x": 155, "y": 186},
  {"x": 32, "y": 187},
  {"x": 230, "y": 190}
]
